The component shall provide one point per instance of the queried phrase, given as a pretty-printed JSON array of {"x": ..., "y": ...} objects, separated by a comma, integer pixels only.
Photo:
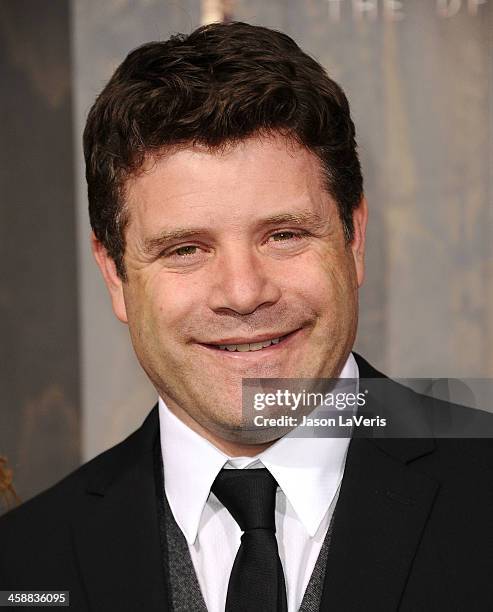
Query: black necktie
[{"x": 257, "y": 580}]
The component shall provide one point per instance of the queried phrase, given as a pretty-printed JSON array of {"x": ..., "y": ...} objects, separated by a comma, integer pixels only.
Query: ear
[
  {"x": 360, "y": 219},
  {"x": 113, "y": 282}
]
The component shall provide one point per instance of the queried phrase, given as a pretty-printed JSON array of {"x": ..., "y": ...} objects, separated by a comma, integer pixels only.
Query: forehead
[{"x": 257, "y": 176}]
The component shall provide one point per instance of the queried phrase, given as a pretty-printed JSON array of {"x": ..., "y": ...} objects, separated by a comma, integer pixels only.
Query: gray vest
[{"x": 185, "y": 590}]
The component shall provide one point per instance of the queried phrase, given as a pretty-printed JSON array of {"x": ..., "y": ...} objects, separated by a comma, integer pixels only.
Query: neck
[{"x": 228, "y": 447}]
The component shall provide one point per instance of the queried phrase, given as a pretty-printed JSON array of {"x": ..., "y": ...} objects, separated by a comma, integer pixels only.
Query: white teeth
[
  {"x": 256, "y": 346},
  {"x": 244, "y": 348}
]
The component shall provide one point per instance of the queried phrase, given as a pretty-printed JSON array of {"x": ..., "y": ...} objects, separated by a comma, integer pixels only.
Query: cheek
[
  {"x": 325, "y": 282},
  {"x": 173, "y": 301}
]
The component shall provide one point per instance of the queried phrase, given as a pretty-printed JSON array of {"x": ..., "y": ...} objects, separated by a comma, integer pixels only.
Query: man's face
[{"x": 237, "y": 267}]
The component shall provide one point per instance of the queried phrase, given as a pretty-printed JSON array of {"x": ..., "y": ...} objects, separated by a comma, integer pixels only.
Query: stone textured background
[
  {"x": 419, "y": 80},
  {"x": 40, "y": 358}
]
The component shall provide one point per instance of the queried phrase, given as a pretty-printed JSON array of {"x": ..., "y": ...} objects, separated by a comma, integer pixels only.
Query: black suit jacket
[{"x": 412, "y": 531}]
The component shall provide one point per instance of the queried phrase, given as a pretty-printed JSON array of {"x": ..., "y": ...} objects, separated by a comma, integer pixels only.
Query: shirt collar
[{"x": 308, "y": 470}]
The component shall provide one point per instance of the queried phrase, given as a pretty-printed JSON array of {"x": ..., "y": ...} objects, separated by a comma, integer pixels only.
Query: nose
[{"x": 243, "y": 282}]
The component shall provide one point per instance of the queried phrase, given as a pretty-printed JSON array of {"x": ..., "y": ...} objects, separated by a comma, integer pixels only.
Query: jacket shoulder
[{"x": 45, "y": 518}]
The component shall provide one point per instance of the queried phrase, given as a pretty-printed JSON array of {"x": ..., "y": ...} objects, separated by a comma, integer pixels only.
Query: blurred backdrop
[{"x": 418, "y": 75}]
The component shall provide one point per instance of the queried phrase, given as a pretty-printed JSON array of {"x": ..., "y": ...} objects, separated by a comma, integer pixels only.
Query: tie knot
[{"x": 249, "y": 495}]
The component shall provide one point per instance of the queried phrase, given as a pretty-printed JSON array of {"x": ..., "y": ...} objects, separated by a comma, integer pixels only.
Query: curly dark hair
[{"x": 223, "y": 83}]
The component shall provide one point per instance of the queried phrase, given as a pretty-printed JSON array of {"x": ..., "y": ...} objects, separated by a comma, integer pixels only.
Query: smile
[{"x": 248, "y": 347}]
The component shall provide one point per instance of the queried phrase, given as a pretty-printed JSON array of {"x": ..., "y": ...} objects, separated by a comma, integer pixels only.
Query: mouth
[{"x": 261, "y": 344}]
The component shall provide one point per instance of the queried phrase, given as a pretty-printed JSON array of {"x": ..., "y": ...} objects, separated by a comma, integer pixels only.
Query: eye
[
  {"x": 287, "y": 236},
  {"x": 185, "y": 251},
  {"x": 184, "y": 256}
]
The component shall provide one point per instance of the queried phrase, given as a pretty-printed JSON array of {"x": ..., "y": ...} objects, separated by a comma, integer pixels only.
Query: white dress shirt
[{"x": 308, "y": 472}]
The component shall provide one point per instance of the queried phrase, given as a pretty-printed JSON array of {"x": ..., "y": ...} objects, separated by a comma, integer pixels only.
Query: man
[{"x": 226, "y": 201}]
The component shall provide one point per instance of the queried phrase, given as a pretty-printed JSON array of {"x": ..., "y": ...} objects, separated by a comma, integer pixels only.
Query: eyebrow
[
  {"x": 151, "y": 245},
  {"x": 305, "y": 217},
  {"x": 157, "y": 242}
]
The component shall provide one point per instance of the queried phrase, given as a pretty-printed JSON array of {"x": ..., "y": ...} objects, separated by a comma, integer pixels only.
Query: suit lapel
[
  {"x": 383, "y": 507},
  {"x": 380, "y": 516},
  {"x": 116, "y": 535}
]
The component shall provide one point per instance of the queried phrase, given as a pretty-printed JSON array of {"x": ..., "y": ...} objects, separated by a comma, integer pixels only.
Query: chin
[{"x": 244, "y": 434}]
